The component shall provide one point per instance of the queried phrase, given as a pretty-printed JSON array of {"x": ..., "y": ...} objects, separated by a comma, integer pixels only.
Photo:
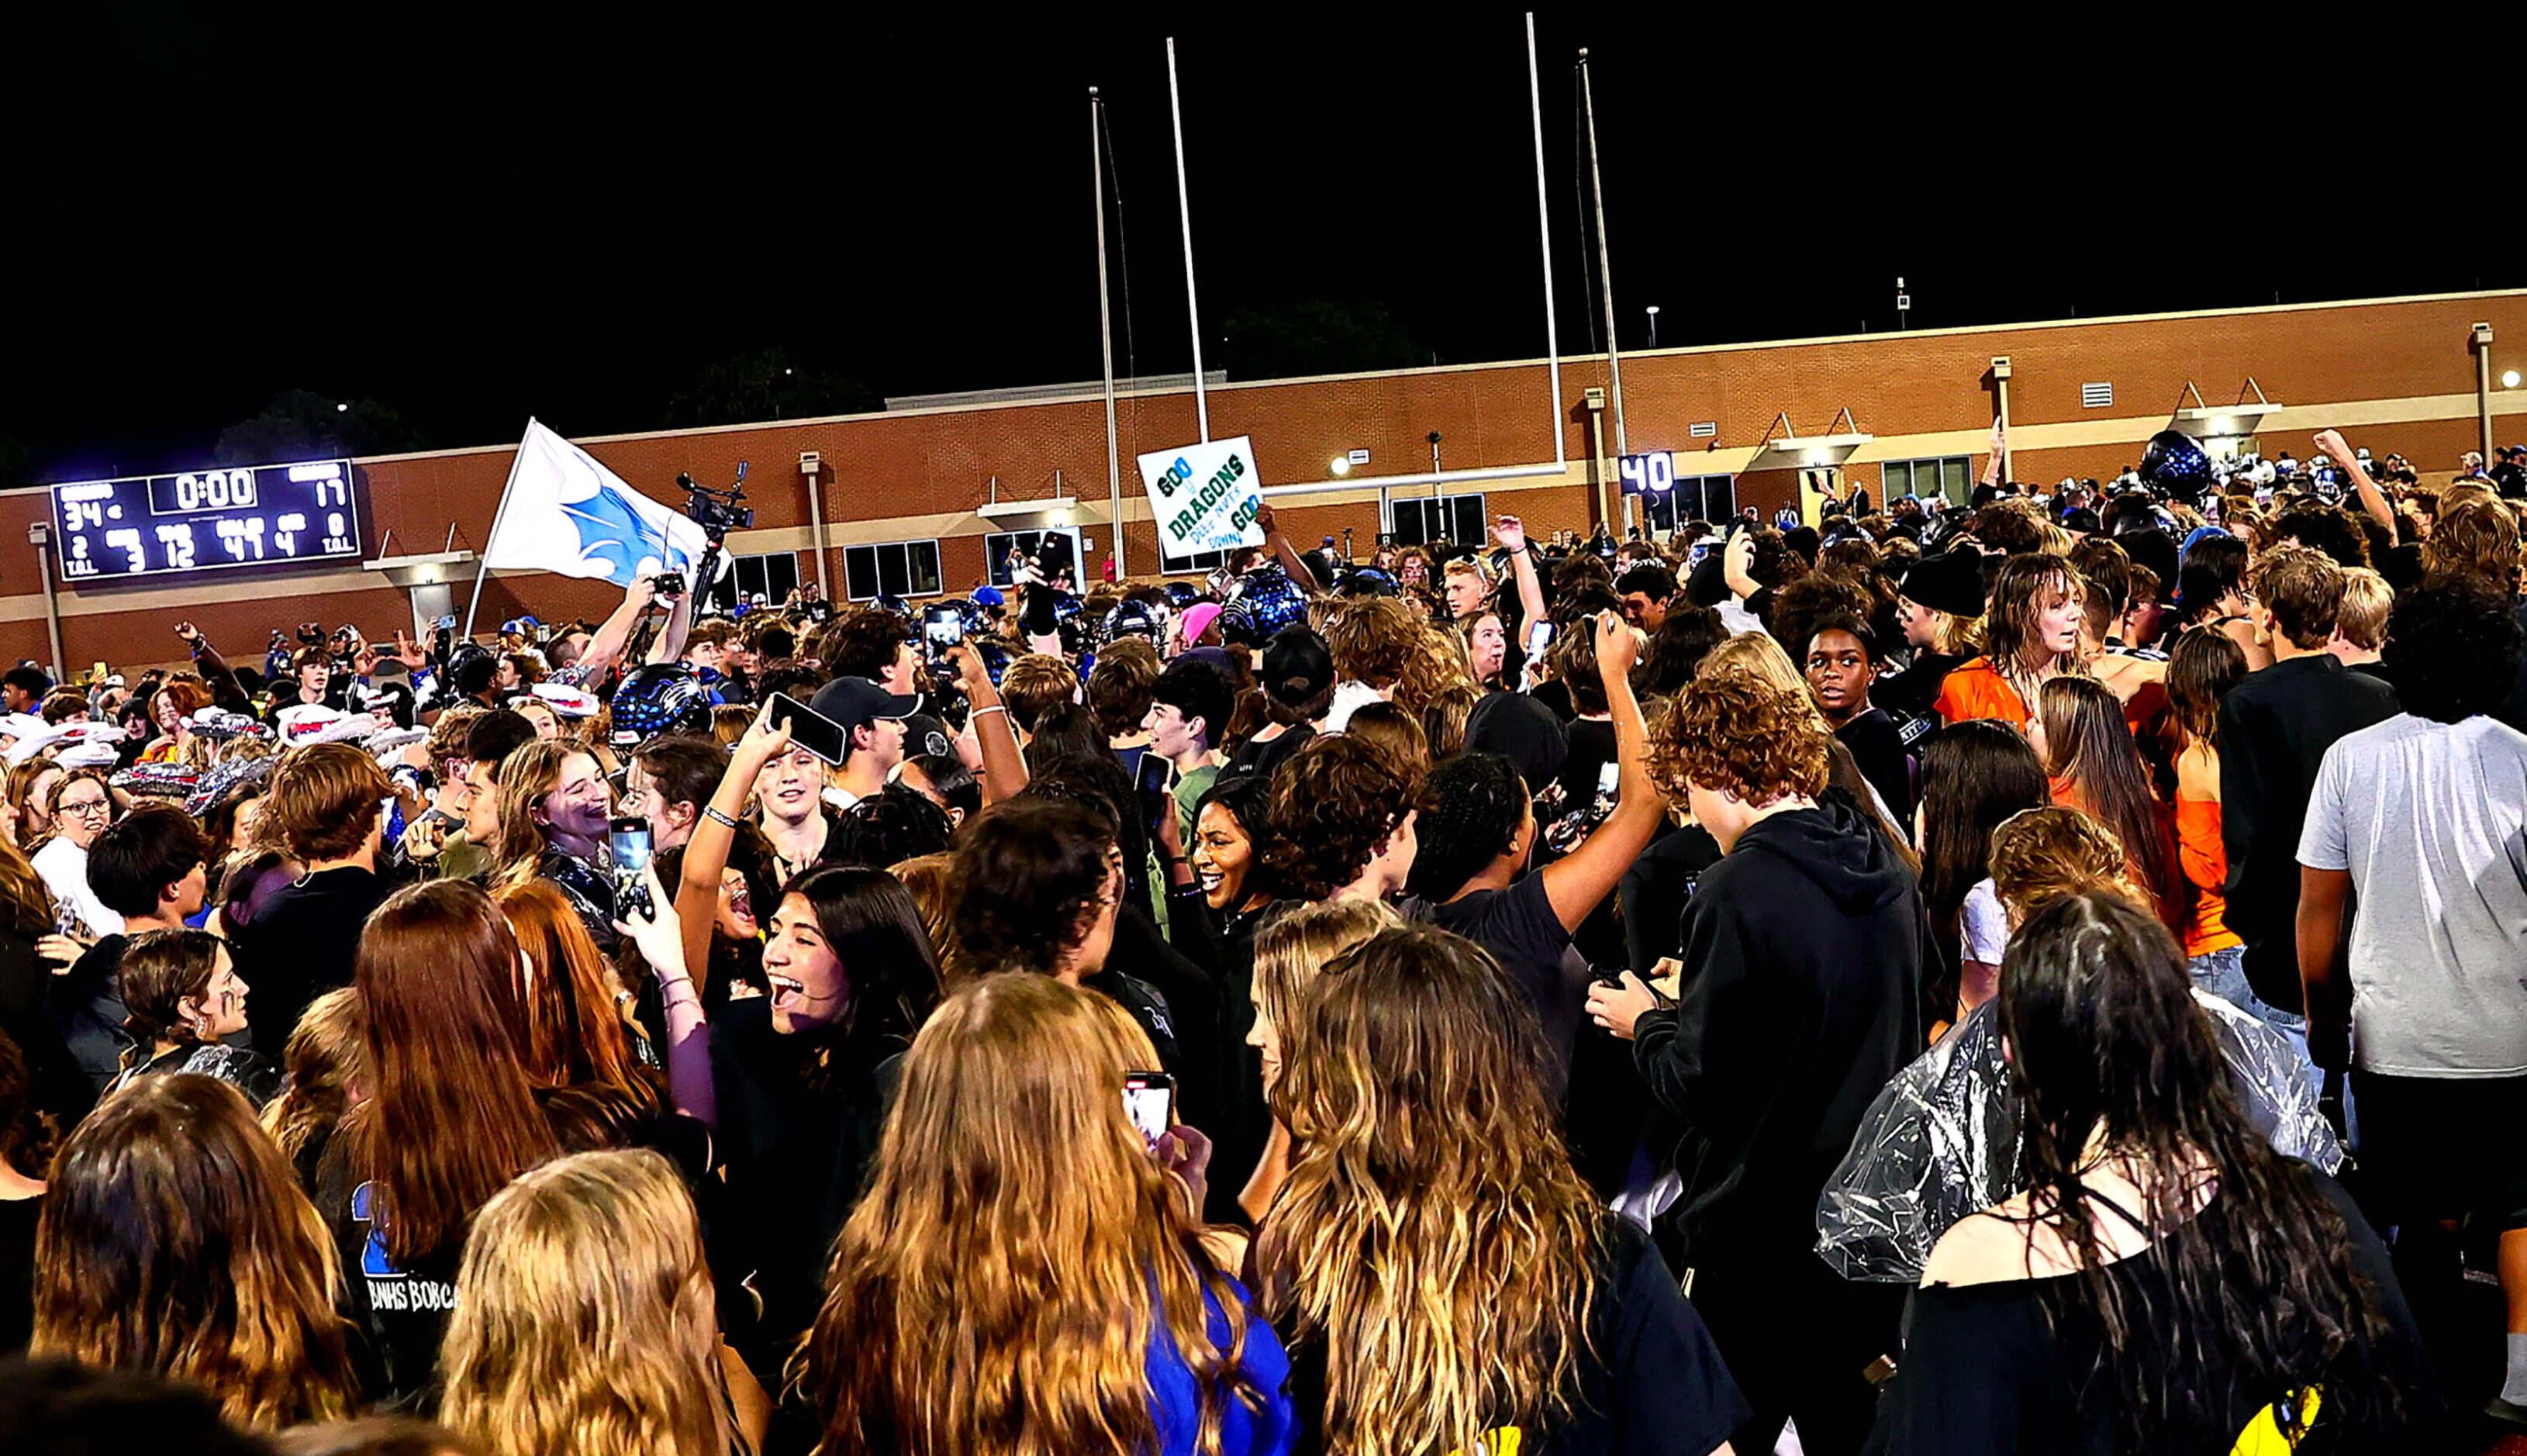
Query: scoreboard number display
[
  {"x": 1652, "y": 473},
  {"x": 203, "y": 520}
]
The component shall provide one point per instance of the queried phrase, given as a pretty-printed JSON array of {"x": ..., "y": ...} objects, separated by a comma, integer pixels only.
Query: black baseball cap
[
  {"x": 856, "y": 702},
  {"x": 1297, "y": 666},
  {"x": 1947, "y": 581}
]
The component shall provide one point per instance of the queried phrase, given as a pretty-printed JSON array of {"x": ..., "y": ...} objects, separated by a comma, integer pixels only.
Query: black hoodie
[{"x": 1800, "y": 997}]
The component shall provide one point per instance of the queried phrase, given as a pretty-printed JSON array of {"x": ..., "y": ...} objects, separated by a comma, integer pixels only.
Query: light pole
[
  {"x": 2482, "y": 336},
  {"x": 1653, "y": 313}
]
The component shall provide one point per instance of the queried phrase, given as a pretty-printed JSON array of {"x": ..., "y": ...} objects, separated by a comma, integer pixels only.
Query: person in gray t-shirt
[{"x": 2424, "y": 818}]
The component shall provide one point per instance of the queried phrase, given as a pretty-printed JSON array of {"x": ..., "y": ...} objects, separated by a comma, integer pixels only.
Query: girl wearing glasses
[{"x": 82, "y": 807}]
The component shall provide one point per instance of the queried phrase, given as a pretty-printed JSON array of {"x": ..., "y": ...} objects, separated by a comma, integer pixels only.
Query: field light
[
  {"x": 1341, "y": 464},
  {"x": 2509, "y": 378}
]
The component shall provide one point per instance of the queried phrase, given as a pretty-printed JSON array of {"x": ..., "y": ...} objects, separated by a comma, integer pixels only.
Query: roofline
[{"x": 1124, "y": 392}]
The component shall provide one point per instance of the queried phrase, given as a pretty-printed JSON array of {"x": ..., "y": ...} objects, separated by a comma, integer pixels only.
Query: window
[
  {"x": 1055, "y": 552},
  {"x": 1695, "y": 498},
  {"x": 1171, "y": 564},
  {"x": 1421, "y": 519},
  {"x": 1950, "y": 477},
  {"x": 894, "y": 569},
  {"x": 773, "y": 576}
]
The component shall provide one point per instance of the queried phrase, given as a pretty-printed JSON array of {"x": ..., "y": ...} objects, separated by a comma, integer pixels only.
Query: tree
[
  {"x": 765, "y": 384},
  {"x": 1318, "y": 336},
  {"x": 302, "y": 425}
]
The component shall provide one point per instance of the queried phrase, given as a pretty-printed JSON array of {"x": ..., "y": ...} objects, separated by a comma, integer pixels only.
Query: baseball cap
[
  {"x": 1297, "y": 666},
  {"x": 856, "y": 702},
  {"x": 1947, "y": 581},
  {"x": 1522, "y": 730}
]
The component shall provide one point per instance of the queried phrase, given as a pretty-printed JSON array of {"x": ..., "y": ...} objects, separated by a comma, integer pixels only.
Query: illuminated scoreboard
[{"x": 162, "y": 525}]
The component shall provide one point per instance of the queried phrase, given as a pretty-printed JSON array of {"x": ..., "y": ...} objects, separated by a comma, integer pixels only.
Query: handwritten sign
[{"x": 1204, "y": 496}]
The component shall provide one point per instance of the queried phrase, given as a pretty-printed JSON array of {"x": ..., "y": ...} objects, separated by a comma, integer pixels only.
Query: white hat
[
  {"x": 22, "y": 725},
  {"x": 314, "y": 722},
  {"x": 567, "y": 701},
  {"x": 94, "y": 754}
]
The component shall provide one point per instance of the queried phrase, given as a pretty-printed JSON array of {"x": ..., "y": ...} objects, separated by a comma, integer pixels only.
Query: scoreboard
[{"x": 203, "y": 520}]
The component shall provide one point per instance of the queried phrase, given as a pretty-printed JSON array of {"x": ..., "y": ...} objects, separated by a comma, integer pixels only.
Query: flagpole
[
  {"x": 1184, "y": 217},
  {"x": 1106, "y": 335},
  {"x": 499, "y": 513},
  {"x": 1605, "y": 268}
]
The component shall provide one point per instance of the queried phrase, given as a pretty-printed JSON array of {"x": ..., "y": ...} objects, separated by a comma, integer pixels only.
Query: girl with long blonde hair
[
  {"x": 1015, "y": 1209},
  {"x": 2032, "y": 636},
  {"x": 1434, "y": 1253},
  {"x": 175, "y": 1242},
  {"x": 585, "y": 1321},
  {"x": 323, "y": 1060},
  {"x": 1289, "y": 954}
]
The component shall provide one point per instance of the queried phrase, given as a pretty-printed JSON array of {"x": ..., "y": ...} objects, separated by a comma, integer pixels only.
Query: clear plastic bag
[{"x": 1942, "y": 1140}]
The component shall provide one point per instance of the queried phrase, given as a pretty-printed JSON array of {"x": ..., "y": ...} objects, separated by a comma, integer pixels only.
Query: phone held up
[
  {"x": 1150, "y": 1100},
  {"x": 1155, "y": 783},
  {"x": 630, "y": 846},
  {"x": 809, "y": 729}
]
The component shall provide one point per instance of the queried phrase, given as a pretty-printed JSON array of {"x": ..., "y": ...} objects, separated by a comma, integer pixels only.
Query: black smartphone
[
  {"x": 667, "y": 584},
  {"x": 1150, "y": 1101},
  {"x": 940, "y": 629},
  {"x": 810, "y": 729},
  {"x": 1155, "y": 782},
  {"x": 630, "y": 845}
]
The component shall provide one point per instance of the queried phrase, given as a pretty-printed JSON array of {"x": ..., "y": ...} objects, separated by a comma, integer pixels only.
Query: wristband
[
  {"x": 987, "y": 708},
  {"x": 716, "y": 816}
]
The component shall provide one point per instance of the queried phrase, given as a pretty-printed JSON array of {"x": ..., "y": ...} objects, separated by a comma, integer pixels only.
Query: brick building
[{"x": 907, "y": 496}]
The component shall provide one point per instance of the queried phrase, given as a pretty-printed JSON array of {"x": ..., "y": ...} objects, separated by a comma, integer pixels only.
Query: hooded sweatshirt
[{"x": 1800, "y": 998}]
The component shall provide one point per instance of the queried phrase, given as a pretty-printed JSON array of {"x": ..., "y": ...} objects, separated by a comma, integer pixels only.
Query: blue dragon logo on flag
[{"x": 611, "y": 532}]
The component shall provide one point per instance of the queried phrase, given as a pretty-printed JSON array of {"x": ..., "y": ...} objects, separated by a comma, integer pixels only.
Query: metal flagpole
[
  {"x": 1106, "y": 335},
  {"x": 497, "y": 514},
  {"x": 1184, "y": 217},
  {"x": 1605, "y": 275},
  {"x": 1544, "y": 235}
]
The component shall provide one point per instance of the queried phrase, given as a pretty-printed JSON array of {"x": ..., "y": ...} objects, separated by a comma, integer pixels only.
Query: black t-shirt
[
  {"x": 1592, "y": 747},
  {"x": 18, "y": 1219},
  {"x": 304, "y": 942},
  {"x": 1264, "y": 755},
  {"x": 88, "y": 1012},
  {"x": 1658, "y": 1384},
  {"x": 400, "y": 1309},
  {"x": 1985, "y": 1372},
  {"x": 1880, "y": 753},
  {"x": 1913, "y": 691},
  {"x": 1520, "y": 929}
]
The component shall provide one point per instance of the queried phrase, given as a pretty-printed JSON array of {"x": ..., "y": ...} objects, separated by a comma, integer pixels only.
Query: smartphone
[
  {"x": 1539, "y": 636},
  {"x": 667, "y": 584},
  {"x": 446, "y": 623},
  {"x": 1700, "y": 553},
  {"x": 810, "y": 729},
  {"x": 631, "y": 845},
  {"x": 1155, "y": 782},
  {"x": 1150, "y": 1101},
  {"x": 940, "y": 629}
]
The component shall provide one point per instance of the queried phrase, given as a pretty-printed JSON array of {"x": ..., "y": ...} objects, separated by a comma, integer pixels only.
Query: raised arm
[
  {"x": 670, "y": 644},
  {"x": 605, "y": 645},
  {"x": 1580, "y": 881},
  {"x": 2372, "y": 500},
  {"x": 225, "y": 691},
  {"x": 665, "y": 944},
  {"x": 1995, "y": 469},
  {"x": 715, "y": 833},
  {"x": 1004, "y": 770},
  {"x": 1287, "y": 554},
  {"x": 1511, "y": 533}
]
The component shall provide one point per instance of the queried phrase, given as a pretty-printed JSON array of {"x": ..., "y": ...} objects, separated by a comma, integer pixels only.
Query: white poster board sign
[{"x": 1204, "y": 497}]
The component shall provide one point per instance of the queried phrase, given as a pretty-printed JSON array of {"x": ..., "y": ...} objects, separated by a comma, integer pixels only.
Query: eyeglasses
[{"x": 84, "y": 806}]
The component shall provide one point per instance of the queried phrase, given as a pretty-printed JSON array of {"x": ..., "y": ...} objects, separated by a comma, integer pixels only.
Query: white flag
[{"x": 565, "y": 513}]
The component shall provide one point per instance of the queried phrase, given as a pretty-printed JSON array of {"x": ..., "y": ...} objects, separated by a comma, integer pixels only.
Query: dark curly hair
[
  {"x": 1334, "y": 801},
  {"x": 2326, "y": 528},
  {"x": 1800, "y": 606},
  {"x": 2453, "y": 646},
  {"x": 1025, "y": 871},
  {"x": 887, "y": 829},
  {"x": 1472, "y": 808},
  {"x": 1733, "y": 731}
]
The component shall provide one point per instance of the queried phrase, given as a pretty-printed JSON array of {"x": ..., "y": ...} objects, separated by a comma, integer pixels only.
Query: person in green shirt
[{"x": 1189, "y": 710}]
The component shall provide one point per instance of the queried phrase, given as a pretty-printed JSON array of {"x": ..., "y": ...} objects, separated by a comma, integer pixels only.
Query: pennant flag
[{"x": 567, "y": 514}]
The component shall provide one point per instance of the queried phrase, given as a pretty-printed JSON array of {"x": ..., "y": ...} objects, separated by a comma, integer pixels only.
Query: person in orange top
[
  {"x": 2033, "y": 632},
  {"x": 2205, "y": 665}
]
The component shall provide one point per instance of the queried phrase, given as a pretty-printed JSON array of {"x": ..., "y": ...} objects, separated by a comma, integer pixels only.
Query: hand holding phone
[
  {"x": 1154, "y": 783},
  {"x": 630, "y": 846},
  {"x": 1150, "y": 1101},
  {"x": 808, "y": 728}
]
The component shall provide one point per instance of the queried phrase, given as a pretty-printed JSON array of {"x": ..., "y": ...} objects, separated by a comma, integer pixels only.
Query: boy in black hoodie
[{"x": 1798, "y": 1000}]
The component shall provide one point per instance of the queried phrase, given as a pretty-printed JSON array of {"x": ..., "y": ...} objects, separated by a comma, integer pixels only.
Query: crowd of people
[{"x": 2035, "y": 973}]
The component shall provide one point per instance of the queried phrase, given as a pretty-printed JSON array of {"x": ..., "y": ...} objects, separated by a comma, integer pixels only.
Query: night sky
[{"x": 468, "y": 221}]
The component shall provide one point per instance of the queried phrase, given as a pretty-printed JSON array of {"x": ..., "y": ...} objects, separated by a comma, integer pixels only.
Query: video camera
[{"x": 717, "y": 512}]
